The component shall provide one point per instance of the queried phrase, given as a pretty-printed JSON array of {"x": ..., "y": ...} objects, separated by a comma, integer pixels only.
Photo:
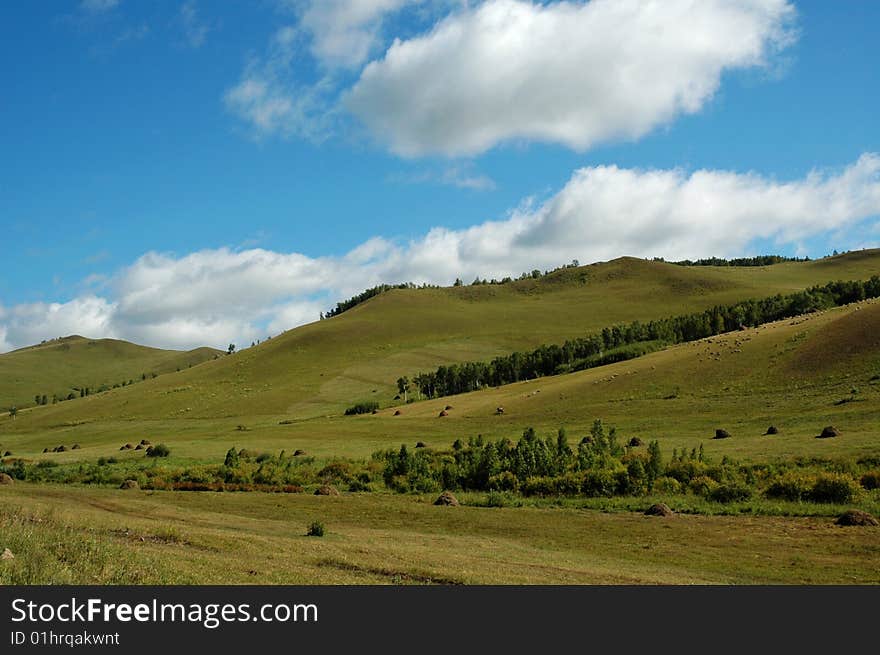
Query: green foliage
[
  {"x": 834, "y": 488},
  {"x": 315, "y": 529},
  {"x": 159, "y": 450},
  {"x": 870, "y": 480},
  {"x": 366, "y": 407}
]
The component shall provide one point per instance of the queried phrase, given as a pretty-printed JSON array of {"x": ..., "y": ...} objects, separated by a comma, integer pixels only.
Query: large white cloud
[
  {"x": 575, "y": 73},
  {"x": 213, "y": 297}
]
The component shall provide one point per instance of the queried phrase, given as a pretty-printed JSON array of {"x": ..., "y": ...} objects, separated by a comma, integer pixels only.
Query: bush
[
  {"x": 730, "y": 493},
  {"x": 504, "y": 481},
  {"x": 871, "y": 480},
  {"x": 316, "y": 529},
  {"x": 667, "y": 485},
  {"x": 790, "y": 486},
  {"x": 834, "y": 488},
  {"x": 599, "y": 482},
  {"x": 159, "y": 450},
  {"x": 703, "y": 485},
  {"x": 367, "y": 407}
]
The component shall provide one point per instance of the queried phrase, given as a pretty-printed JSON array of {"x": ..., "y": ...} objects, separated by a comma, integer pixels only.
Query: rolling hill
[
  {"x": 306, "y": 377},
  {"x": 62, "y": 367}
]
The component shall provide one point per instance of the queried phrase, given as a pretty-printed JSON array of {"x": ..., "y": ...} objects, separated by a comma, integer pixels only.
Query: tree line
[
  {"x": 760, "y": 260},
  {"x": 621, "y": 342}
]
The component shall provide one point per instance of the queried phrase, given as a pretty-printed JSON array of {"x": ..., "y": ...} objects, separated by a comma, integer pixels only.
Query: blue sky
[{"x": 186, "y": 173}]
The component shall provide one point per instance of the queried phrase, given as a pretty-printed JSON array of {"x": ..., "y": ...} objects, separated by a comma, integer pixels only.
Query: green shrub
[
  {"x": 359, "y": 485},
  {"x": 599, "y": 482},
  {"x": 539, "y": 486},
  {"x": 667, "y": 485},
  {"x": 730, "y": 493},
  {"x": 316, "y": 529},
  {"x": 702, "y": 485},
  {"x": 834, "y": 488},
  {"x": 159, "y": 450},
  {"x": 362, "y": 408},
  {"x": 871, "y": 480},
  {"x": 504, "y": 481},
  {"x": 790, "y": 486}
]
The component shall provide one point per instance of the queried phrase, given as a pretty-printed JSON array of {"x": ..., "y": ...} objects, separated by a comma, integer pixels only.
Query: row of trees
[
  {"x": 530, "y": 464},
  {"x": 622, "y": 342},
  {"x": 760, "y": 260}
]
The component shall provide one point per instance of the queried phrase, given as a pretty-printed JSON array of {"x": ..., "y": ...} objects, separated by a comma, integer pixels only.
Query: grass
[
  {"x": 381, "y": 538},
  {"x": 63, "y": 366}
]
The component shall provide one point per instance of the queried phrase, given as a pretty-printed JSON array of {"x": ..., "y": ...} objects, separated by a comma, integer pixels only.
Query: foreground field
[{"x": 89, "y": 535}]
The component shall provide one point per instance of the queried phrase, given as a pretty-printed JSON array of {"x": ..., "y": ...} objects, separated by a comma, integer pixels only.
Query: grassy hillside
[
  {"x": 321, "y": 368},
  {"x": 64, "y": 366},
  {"x": 783, "y": 374}
]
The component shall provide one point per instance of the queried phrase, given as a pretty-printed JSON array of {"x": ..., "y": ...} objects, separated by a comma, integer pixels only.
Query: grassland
[
  {"x": 66, "y": 365},
  {"x": 290, "y": 393},
  {"x": 380, "y": 538}
]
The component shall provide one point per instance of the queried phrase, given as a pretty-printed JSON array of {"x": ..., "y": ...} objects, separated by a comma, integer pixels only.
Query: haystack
[
  {"x": 326, "y": 490},
  {"x": 856, "y": 517},
  {"x": 659, "y": 509},
  {"x": 446, "y": 499},
  {"x": 722, "y": 434},
  {"x": 829, "y": 431}
]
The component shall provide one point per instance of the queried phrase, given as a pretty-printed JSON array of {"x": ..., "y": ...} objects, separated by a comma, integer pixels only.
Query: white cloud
[
  {"x": 194, "y": 29},
  {"x": 269, "y": 97},
  {"x": 574, "y": 73},
  {"x": 345, "y": 32},
  {"x": 461, "y": 176},
  {"x": 214, "y": 297}
]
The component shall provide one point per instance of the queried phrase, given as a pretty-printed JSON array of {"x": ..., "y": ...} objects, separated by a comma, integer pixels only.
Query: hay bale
[
  {"x": 146, "y": 442},
  {"x": 659, "y": 509},
  {"x": 75, "y": 446},
  {"x": 326, "y": 490},
  {"x": 298, "y": 452},
  {"x": 635, "y": 442},
  {"x": 8, "y": 453},
  {"x": 828, "y": 432},
  {"x": 421, "y": 444},
  {"x": 61, "y": 449},
  {"x": 127, "y": 446},
  {"x": 856, "y": 517},
  {"x": 442, "y": 414},
  {"x": 772, "y": 430},
  {"x": 722, "y": 434},
  {"x": 46, "y": 450},
  {"x": 446, "y": 499},
  {"x": 7, "y": 554},
  {"x": 130, "y": 484},
  {"x": 140, "y": 446},
  {"x": 499, "y": 410},
  {"x": 448, "y": 407},
  {"x": 5, "y": 478},
  {"x": 397, "y": 412}
]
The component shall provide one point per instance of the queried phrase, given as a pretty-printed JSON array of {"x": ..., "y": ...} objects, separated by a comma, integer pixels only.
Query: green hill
[
  {"x": 63, "y": 367},
  {"x": 308, "y": 376}
]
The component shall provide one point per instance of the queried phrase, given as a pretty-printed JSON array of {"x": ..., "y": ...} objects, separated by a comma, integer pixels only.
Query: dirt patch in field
[{"x": 394, "y": 576}]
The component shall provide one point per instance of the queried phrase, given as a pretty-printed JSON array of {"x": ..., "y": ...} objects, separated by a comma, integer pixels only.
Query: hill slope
[{"x": 64, "y": 366}]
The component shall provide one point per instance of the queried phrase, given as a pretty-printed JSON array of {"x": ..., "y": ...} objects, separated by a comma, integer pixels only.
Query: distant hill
[{"x": 68, "y": 366}]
